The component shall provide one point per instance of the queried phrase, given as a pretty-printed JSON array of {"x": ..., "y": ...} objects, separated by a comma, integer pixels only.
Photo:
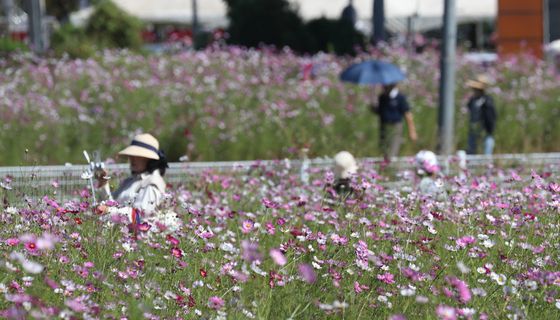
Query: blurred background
[{"x": 245, "y": 79}]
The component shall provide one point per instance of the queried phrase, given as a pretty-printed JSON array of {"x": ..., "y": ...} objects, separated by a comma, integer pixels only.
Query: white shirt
[
  {"x": 432, "y": 188},
  {"x": 142, "y": 191}
]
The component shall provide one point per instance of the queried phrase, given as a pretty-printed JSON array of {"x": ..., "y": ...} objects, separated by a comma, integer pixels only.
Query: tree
[
  {"x": 60, "y": 9},
  {"x": 339, "y": 36},
  {"x": 274, "y": 22},
  {"x": 112, "y": 27}
]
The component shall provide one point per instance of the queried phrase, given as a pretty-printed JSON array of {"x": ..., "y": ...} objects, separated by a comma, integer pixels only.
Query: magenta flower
[
  {"x": 12, "y": 242},
  {"x": 174, "y": 241},
  {"x": 465, "y": 241},
  {"x": 215, "y": 303},
  {"x": 269, "y": 203},
  {"x": 31, "y": 247},
  {"x": 144, "y": 227},
  {"x": 386, "y": 277},
  {"x": 362, "y": 255},
  {"x": 176, "y": 252},
  {"x": 307, "y": 273},
  {"x": 462, "y": 290},
  {"x": 278, "y": 257},
  {"x": 270, "y": 229}
]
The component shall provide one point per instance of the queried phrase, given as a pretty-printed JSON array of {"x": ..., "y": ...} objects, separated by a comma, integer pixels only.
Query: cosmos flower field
[
  {"x": 228, "y": 103},
  {"x": 263, "y": 245}
]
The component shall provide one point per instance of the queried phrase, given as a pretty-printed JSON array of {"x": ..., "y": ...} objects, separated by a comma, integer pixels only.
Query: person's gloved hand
[{"x": 101, "y": 176}]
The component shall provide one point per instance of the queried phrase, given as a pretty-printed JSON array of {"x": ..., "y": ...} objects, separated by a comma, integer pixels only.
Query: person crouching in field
[
  {"x": 144, "y": 189},
  {"x": 345, "y": 167},
  {"x": 428, "y": 169}
]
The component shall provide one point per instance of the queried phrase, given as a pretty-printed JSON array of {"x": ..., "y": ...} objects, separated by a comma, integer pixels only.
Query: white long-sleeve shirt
[{"x": 142, "y": 191}]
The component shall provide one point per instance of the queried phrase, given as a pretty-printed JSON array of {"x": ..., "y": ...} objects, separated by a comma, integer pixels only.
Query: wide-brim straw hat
[
  {"x": 481, "y": 82},
  {"x": 143, "y": 145},
  {"x": 345, "y": 164}
]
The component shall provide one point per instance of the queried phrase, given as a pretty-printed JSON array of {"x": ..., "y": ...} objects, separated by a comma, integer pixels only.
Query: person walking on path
[
  {"x": 392, "y": 107},
  {"x": 482, "y": 116}
]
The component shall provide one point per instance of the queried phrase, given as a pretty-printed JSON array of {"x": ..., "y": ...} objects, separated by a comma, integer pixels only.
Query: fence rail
[{"x": 36, "y": 181}]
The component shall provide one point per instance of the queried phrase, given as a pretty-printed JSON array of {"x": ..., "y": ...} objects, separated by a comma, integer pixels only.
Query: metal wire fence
[{"x": 33, "y": 182}]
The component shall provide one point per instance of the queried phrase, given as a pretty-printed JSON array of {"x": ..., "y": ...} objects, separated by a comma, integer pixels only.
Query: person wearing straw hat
[
  {"x": 482, "y": 116},
  {"x": 145, "y": 188}
]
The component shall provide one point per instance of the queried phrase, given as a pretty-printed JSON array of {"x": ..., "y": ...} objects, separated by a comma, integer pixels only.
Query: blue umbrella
[{"x": 372, "y": 72}]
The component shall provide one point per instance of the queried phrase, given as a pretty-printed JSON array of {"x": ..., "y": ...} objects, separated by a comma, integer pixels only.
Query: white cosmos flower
[
  {"x": 462, "y": 267},
  {"x": 499, "y": 278},
  {"x": 531, "y": 285},
  {"x": 488, "y": 243},
  {"x": 408, "y": 291}
]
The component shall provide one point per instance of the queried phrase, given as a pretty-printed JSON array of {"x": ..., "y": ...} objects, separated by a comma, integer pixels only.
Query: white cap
[
  {"x": 345, "y": 164},
  {"x": 426, "y": 162}
]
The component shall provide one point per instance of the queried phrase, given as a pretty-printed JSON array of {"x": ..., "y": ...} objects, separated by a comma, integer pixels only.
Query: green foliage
[
  {"x": 274, "y": 22},
  {"x": 72, "y": 41},
  {"x": 9, "y": 46},
  {"x": 111, "y": 27}
]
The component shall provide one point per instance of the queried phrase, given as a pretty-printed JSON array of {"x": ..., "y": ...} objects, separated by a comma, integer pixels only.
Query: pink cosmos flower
[
  {"x": 358, "y": 288},
  {"x": 307, "y": 273},
  {"x": 144, "y": 227},
  {"x": 386, "y": 277},
  {"x": 446, "y": 313},
  {"x": 338, "y": 240},
  {"x": 76, "y": 305},
  {"x": 176, "y": 252},
  {"x": 46, "y": 241},
  {"x": 215, "y": 303},
  {"x": 174, "y": 241},
  {"x": 462, "y": 289},
  {"x": 31, "y": 247},
  {"x": 269, "y": 203},
  {"x": 12, "y": 242},
  {"x": 278, "y": 257},
  {"x": 250, "y": 251},
  {"x": 247, "y": 226},
  {"x": 465, "y": 241},
  {"x": 270, "y": 229}
]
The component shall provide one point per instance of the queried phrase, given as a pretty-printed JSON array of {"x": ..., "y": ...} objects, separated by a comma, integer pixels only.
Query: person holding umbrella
[{"x": 392, "y": 106}]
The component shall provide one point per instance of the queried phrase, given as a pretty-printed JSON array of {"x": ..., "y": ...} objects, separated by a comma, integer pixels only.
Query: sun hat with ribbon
[
  {"x": 143, "y": 145},
  {"x": 480, "y": 82},
  {"x": 345, "y": 164}
]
